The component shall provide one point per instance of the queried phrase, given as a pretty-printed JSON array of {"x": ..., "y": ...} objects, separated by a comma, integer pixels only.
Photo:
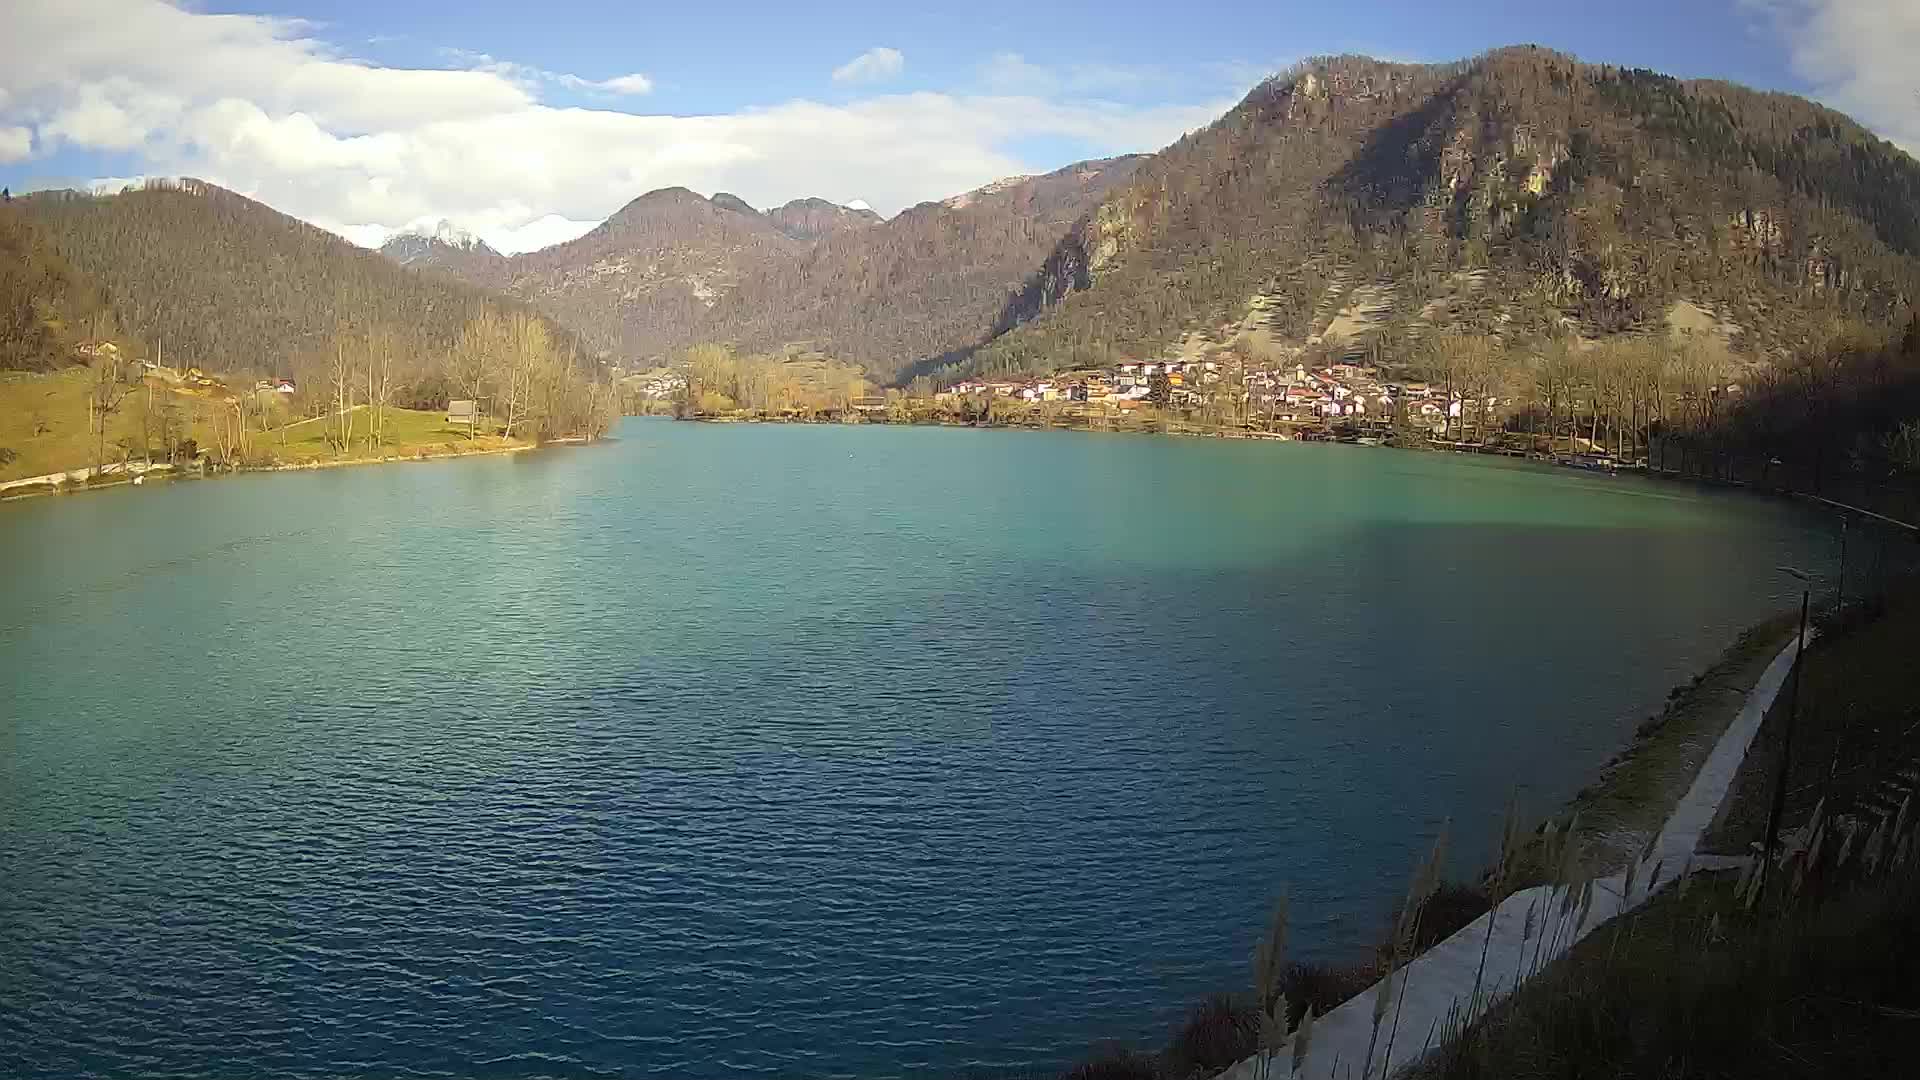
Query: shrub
[
  {"x": 1216, "y": 1033},
  {"x": 1323, "y": 986},
  {"x": 1452, "y": 907}
]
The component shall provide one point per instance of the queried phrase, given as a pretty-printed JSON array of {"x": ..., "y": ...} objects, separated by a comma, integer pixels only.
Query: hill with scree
[{"x": 1360, "y": 206}]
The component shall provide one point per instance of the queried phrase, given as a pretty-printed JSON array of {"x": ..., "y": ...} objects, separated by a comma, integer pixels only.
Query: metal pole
[{"x": 1786, "y": 743}]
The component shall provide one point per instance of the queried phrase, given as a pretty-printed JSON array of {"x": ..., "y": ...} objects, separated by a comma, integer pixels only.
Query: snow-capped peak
[
  {"x": 429, "y": 239},
  {"x": 858, "y": 204},
  {"x": 444, "y": 231}
]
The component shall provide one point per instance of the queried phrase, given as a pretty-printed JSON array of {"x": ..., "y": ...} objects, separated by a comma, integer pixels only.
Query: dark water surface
[{"x": 787, "y": 751}]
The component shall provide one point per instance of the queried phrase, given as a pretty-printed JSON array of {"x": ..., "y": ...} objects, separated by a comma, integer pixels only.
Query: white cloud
[
  {"x": 116, "y": 114},
  {"x": 113, "y": 185},
  {"x": 874, "y": 65},
  {"x": 16, "y": 144},
  {"x": 367, "y": 236},
  {"x": 1859, "y": 57},
  {"x": 257, "y": 104},
  {"x": 635, "y": 83},
  {"x": 530, "y": 78},
  {"x": 497, "y": 228},
  {"x": 540, "y": 232}
]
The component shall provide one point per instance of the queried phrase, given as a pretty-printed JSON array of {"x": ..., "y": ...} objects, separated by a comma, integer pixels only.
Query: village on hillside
[
  {"x": 1278, "y": 395},
  {"x": 1294, "y": 395}
]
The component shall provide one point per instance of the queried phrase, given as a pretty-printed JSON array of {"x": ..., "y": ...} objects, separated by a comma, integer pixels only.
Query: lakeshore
[
  {"x": 125, "y": 474},
  {"x": 1340, "y": 400},
  {"x": 66, "y": 431}
]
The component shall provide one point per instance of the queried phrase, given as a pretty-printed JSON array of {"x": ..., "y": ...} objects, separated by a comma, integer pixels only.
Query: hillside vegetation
[
  {"x": 46, "y": 307},
  {"x": 1359, "y": 206},
  {"x": 214, "y": 280}
]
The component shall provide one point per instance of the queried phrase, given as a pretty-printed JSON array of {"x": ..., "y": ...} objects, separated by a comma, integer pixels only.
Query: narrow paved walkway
[{"x": 1433, "y": 991}]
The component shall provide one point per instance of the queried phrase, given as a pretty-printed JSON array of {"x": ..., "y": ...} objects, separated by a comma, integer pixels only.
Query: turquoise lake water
[{"x": 789, "y": 751}]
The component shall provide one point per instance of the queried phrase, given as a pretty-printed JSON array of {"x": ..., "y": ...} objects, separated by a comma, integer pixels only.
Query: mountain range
[
  {"x": 1348, "y": 205},
  {"x": 672, "y": 269}
]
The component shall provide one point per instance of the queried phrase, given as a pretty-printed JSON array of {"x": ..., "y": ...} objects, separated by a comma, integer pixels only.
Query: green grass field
[
  {"x": 405, "y": 433},
  {"x": 43, "y": 423},
  {"x": 43, "y": 420}
]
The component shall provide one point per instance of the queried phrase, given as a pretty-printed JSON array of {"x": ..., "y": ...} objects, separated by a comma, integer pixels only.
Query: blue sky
[
  {"x": 724, "y": 57},
  {"x": 528, "y": 122}
]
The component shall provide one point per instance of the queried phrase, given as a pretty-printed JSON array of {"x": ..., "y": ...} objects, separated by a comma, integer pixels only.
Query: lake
[{"x": 784, "y": 751}]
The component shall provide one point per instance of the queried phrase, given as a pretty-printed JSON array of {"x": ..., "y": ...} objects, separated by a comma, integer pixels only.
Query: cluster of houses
[
  {"x": 658, "y": 385},
  {"x": 1126, "y": 386},
  {"x": 1297, "y": 394}
]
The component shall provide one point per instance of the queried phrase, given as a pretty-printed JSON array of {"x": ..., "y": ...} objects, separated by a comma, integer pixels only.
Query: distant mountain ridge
[
  {"x": 671, "y": 269},
  {"x": 811, "y": 219},
  {"x": 444, "y": 245}
]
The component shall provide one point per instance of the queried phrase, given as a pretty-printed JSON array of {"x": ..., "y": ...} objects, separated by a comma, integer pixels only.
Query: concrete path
[{"x": 1433, "y": 992}]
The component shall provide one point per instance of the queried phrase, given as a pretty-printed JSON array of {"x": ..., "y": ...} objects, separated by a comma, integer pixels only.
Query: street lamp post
[{"x": 1786, "y": 738}]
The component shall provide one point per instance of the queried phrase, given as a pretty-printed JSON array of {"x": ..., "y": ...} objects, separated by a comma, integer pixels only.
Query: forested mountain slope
[
  {"x": 1361, "y": 205},
  {"x": 645, "y": 281},
  {"x": 47, "y": 308},
  {"x": 672, "y": 269},
  {"x": 924, "y": 283},
  {"x": 213, "y": 279}
]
